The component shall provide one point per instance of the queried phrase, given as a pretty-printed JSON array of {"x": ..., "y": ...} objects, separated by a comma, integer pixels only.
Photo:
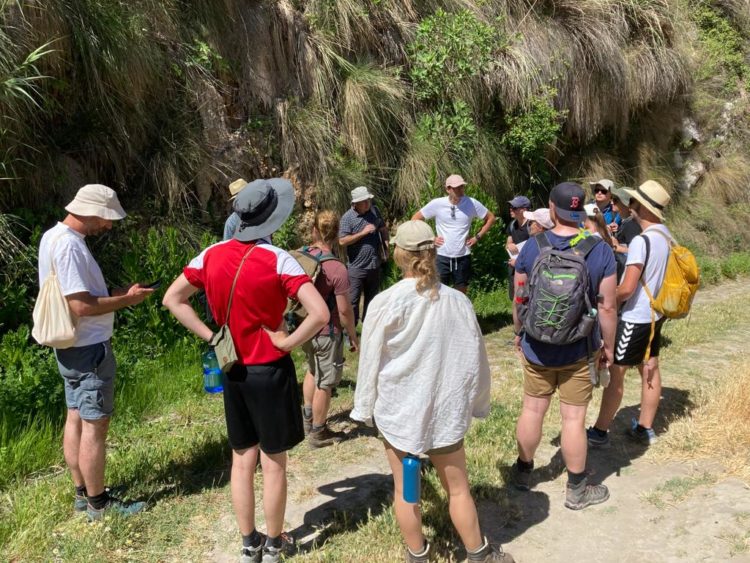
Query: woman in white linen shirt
[{"x": 423, "y": 375}]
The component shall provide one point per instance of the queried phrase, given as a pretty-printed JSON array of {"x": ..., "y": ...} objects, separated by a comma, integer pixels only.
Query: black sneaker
[
  {"x": 521, "y": 479},
  {"x": 645, "y": 436}
]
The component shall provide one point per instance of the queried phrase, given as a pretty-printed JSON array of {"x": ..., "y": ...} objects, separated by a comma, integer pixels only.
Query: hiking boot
[
  {"x": 596, "y": 440},
  {"x": 323, "y": 438},
  {"x": 80, "y": 504},
  {"x": 306, "y": 422},
  {"x": 521, "y": 479},
  {"x": 252, "y": 554},
  {"x": 115, "y": 506},
  {"x": 490, "y": 554},
  {"x": 645, "y": 436},
  {"x": 423, "y": 557},
  {"x": 578, "y": 497}
]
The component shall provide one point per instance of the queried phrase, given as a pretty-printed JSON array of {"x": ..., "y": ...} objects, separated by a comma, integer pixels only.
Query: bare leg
[
  {"x": 72, "y": 445},
  {"x": 408, "y": 515},
  {"x": 573, "y": 437},
  {"x": 321, "y": 403},
  {"x": 243, "y": 488},
  {"x": 529, "y": 426},
  {"x": 274, "y": 491},
  {"x": 650, "y": 391},
  {"x": 308, "y": 389},
  {"x": 611, "y": 397},
  {"x": 451, "y": 468},
  {"x": 91, "y": 454}
]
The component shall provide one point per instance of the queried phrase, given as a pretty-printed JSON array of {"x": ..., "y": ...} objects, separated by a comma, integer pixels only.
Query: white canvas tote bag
[{"x": 53, "y": 322}]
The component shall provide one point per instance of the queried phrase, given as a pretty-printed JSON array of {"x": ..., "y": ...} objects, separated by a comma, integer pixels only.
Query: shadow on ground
[
  {"x": 354, "y": 500},
  {"x": 494, "y": 322}
]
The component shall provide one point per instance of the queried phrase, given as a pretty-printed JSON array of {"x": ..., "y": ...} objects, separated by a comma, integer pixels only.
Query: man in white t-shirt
[
  {"x": 88, "y": 366},
  {"x": 453, "y": 217},
  {"x": 638, "y": 338}
]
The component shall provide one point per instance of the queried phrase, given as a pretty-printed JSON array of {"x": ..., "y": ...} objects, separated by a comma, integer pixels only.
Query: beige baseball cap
[
  {"x": 414, "y": 236},
  {"x": 96, "y": 200},
  {"x": 454, "y": 181}
]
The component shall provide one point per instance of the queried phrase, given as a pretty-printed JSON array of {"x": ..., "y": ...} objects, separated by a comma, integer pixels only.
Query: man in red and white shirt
[{"x": 261, "y": 396}]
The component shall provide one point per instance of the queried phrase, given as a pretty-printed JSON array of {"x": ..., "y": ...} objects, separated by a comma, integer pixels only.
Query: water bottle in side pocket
[{"x": 211, "y": 372}]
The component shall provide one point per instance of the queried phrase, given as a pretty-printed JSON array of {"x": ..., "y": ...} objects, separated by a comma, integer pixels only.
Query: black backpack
[{"x": 558, "y": 309}]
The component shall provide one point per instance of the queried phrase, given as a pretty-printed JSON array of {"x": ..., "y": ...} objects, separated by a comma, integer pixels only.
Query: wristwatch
[{"x": 478, "y": 236}]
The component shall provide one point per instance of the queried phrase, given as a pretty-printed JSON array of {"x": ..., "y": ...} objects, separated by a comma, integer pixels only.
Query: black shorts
[
  {"x": 262, "y": 406},
  {"x": 454, "y": 271},
  {"x": 632, "y": 339}
]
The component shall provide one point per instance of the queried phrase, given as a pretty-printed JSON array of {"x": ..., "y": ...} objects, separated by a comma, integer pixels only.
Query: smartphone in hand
[{"x": 153, "y": 285}]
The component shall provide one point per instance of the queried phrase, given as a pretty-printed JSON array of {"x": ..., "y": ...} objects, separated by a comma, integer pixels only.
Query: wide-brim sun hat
[
  {"x": 414, "y": 236},
  {"x": 652, "y": 195},
  {"x": 96, "y": 200},
  {"x": 361, "y": 193},
  {"x": 263, "y": 206},
  {"x": 622, "y": 195},
  {"x": 236, "y": 187}
]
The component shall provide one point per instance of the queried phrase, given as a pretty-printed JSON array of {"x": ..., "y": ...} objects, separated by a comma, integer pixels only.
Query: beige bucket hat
[{"x": 96, "y": 200}]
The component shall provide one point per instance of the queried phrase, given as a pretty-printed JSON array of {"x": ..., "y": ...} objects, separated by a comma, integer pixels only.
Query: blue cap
[
  {"x": 569, "y": 199},
  {"x": 520, "y": 201}
]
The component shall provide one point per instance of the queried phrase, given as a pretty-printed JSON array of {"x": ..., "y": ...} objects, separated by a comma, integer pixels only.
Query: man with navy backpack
[{"x": 565, "y": 318}]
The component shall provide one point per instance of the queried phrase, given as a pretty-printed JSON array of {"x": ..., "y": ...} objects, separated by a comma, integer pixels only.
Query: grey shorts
[
  {"x": 89, "y": 376},
  {"x": 325, "y": 358}
]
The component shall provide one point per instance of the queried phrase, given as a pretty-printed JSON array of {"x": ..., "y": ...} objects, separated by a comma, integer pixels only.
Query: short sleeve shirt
[
  {"x": 268, "y": 277},
  {"x": 518, "y": 233},
  {"x": 600, "y": 263},
  {"x": 453, "y": 222},
  {"x": 333, "y": 280},
  {"x": 363, "y": 254},
  {"x": 637, "y": 309},
  {"x": 77, "y": 272}
]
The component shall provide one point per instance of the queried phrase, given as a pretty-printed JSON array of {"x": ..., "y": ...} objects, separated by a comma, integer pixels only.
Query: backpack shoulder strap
[
  {"x": 542, "y": 240},
  {"x": 586, "y": 245}
]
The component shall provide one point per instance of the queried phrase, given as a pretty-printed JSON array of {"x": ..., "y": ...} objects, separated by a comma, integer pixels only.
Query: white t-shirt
[
  {"x": 453, "y": 222},
  {"x": 637, "y": 309},
  {"x": 77, "y": 271}
]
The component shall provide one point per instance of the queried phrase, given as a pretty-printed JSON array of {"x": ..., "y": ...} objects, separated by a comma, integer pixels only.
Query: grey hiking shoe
[
  {"x": 521, "y": 479},
  {"x": 490, "y": 554},
  {"x": 115, "y": 506},
  {"x": 578, "y": 497},
  {"x": 423, "y": 557},
  {"x": 596, "y": 440},
  {"x": 252, "y": 554},
  {"x": 80, "y": 504},
  {"x": 273, "y": 554},
  {"x": 323, "y": 438}
]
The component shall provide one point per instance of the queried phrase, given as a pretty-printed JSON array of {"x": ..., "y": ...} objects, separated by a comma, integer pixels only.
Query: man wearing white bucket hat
[
  {"x": 88, "y": 366},
  {"x": 364, "y": 235}
]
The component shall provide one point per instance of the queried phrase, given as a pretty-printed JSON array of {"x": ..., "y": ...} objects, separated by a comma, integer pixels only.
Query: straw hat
[
  {"x": 236, "y": 187},
  {"x": 651, "y": 195}
]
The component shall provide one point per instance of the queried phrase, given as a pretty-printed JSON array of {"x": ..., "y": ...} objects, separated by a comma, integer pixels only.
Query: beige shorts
[
  {"x": 325, "y": 358},
  {"x": 573, "y": 381}
]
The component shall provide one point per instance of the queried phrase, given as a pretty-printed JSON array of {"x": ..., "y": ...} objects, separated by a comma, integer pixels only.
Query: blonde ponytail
[
  {"x": 421, "y": 265},
  {"x": 327, "y": 224}
]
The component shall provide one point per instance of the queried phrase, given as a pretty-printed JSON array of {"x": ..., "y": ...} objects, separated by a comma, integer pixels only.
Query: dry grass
[
  {"x": 720, "y": 427},
  {"x": 728, "y": 179}
]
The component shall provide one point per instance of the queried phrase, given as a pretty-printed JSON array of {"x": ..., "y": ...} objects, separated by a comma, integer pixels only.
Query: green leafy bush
[{"x": 723, "y": 46}]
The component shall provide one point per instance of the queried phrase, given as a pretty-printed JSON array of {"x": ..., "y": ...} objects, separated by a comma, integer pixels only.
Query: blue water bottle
[
  {"x": 412, "y": 478},
  {"x": 211, "y": 372}
]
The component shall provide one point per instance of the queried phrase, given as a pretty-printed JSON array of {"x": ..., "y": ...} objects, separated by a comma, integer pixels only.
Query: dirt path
[{"x": 658, "y": 511}]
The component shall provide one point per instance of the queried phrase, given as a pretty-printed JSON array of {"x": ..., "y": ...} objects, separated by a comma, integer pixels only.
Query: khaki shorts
[
  {"x": 434, "y": 451},
  {"x": 573, "y": 381},
  {"x": 325, "y": 358}
]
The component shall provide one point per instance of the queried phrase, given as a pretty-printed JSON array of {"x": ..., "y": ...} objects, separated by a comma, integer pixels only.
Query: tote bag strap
[{"x": 234, "y": 283}]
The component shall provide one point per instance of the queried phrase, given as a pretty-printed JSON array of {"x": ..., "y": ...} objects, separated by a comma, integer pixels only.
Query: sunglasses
[
  {"x": 453, "y": 211},
  {"x": 600, "y": 191}
]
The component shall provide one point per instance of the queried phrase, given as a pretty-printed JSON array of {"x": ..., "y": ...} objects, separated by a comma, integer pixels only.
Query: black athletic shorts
[
  {"x": 632, "y": 339},
  {"x": 454, "y": 271},
  {"x": 262, "y": 406}
]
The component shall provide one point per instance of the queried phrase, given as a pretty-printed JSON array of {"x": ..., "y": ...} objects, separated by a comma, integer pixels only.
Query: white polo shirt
[{"x": 77, "y": 271}]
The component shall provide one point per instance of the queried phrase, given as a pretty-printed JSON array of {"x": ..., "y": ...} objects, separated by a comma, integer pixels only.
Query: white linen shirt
[
  {"x": 77, "y": 272},
  {"x": 423, "y": 368}
]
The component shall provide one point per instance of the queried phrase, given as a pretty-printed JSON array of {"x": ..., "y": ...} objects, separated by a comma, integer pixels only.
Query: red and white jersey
[{"x": 268, "y": 277}]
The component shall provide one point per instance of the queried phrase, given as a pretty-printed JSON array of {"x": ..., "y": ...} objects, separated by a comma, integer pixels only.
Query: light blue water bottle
[
  {"x": 412, "y": 478},
  {"x": 211, "y": 372}
]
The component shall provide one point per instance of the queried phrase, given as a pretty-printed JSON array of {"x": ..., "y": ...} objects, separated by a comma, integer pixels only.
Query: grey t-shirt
[{"x": 363, "y": 254}]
